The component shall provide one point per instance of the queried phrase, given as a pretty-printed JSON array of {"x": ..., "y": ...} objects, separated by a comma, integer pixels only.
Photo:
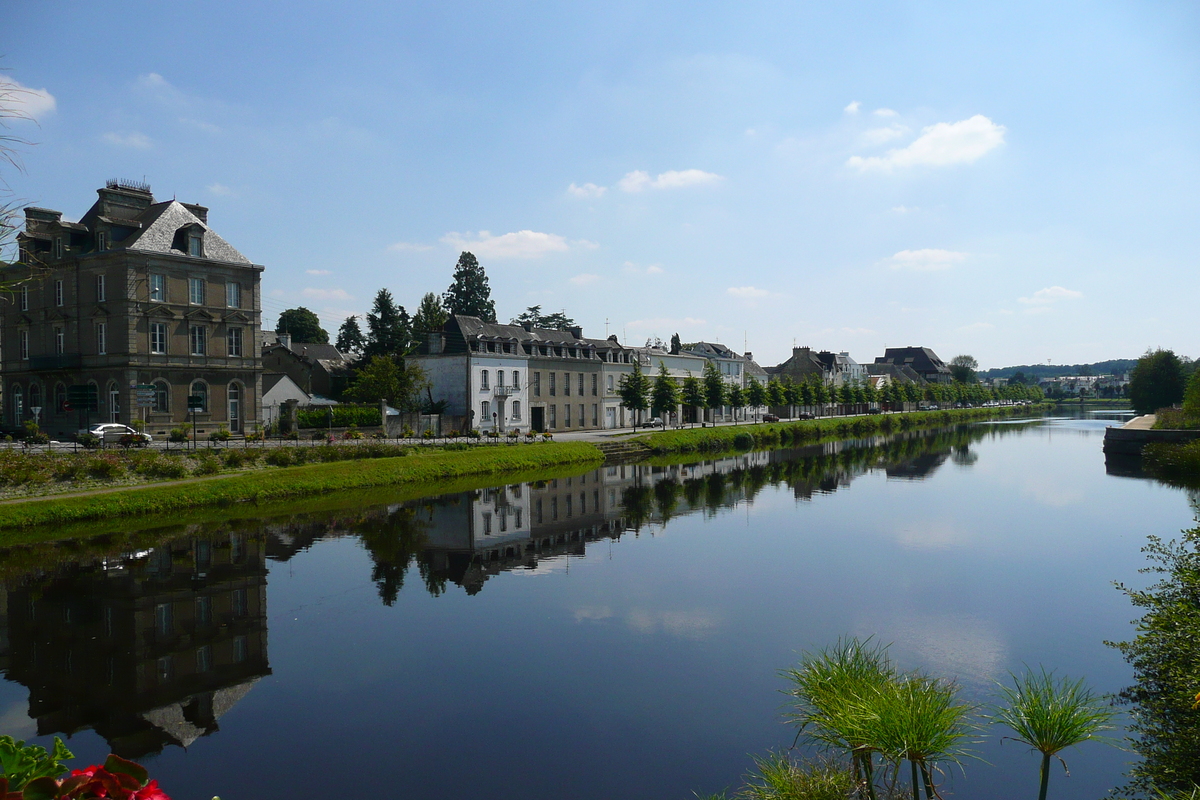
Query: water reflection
[
  {"x": 151, "y": 646},
  {"x": 149, "y": 649}
]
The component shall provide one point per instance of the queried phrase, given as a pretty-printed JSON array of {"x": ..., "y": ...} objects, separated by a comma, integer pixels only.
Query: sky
[{"x": 1015, "y": 181}]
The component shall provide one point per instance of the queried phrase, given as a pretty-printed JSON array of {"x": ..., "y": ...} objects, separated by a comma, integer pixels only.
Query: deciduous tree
[
  {"x": 302, "y": 325},
  {"x": 386, "y": 377},
  {"x": 1157, "y": 381},
  {"x": 693, "y": 394},
  {"x": 714, "y": 386},
  {"x": 962, "y": 368},
  {"x": 634, "y": 390}
]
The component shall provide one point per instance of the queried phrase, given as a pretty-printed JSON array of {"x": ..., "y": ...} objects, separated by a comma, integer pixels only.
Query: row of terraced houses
[{"x": 160, "y": 318}]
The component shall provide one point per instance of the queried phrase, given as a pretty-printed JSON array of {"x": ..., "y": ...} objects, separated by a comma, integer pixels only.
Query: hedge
[{"x": 343, "y": 416}]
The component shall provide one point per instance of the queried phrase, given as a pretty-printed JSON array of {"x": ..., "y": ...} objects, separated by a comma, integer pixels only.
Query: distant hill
[{"x": 1045, "y": 371}]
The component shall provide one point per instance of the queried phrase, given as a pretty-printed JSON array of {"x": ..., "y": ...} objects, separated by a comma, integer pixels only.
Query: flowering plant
[{"x": 117, "y": 779}]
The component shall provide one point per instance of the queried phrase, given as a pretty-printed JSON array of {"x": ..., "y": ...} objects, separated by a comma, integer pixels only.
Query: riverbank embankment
[
  {"x": 428, "y": 471},
  {"x": 772, "y": 434}
]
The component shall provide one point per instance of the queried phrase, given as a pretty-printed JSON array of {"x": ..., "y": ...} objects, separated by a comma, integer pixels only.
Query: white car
[{"x": 114, "y": 432}]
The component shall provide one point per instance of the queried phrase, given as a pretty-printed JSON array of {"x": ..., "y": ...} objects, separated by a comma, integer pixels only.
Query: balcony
[
  {"x": 505, "y": 391},
  {"x": 59, "y": 362}
]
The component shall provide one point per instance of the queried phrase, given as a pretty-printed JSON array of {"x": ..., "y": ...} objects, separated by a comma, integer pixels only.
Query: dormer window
[
  {"x": 101, "y": 241},
  {"x": 195, "y": 245},
  {"x": 58, "y": 247}
]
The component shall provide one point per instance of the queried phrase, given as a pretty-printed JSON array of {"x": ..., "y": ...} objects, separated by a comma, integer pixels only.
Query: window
[
  {"x": 483, "y": 379},
  {"x": 516, "y": 380},
  {"x": 595, "y": 416},
  {"x": 487, "y": 524},
  {"x": 537, "y": 384},
  {"x": 196, "y": 291},
  {"x": 203, "y": 611},
  {"x": 610, "y": 383},
  {"x": 60, "y": 340},
  {"x": 581, "y": 384},
  {"x": 196, "y": 245},
  {"x": 162, "y": 402},
  {"x": 101, "y": 241},
  {"x": 60, "y": 398},
  {"x": 233, "y": 295},
  {"x": 240, "y": 650},
  {"x": 198, "y": 340},
  {"x": 552, "y": 374},
  {"x": 566, "y": 415},
  {"x": 158, "y": 338},
  {"x": 595, "y": 378},
  {"x": 203, "y": 658},
  {"x": 553, "y": 415},
  {"x": 240, "y": 607},
  {"x": 102, "y": 338},
  {"x": 164, "y": 619},
  {"x": 199, "y": 389},
  {"x": 35, "y": 396},
  {"x": 101, "y": 295},
  {"x": 567, "y": 385},
  {"x": 158, "y": 288},
  {"x": 500, "y": 378},
  {"x": 24, "y": 297},
  {"x": 485, "y": 413},
  {"x": 516, "y": 410},
  {"x": 582, "y": 421},
  {"x": 58, "y": 292},
  {"x": 58, "y": 247},
  {"x": 23, "y": 339},
  {"x": 234, "y": 341}
]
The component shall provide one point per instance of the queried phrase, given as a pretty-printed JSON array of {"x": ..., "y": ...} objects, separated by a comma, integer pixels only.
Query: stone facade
[{"x": 137, "y": 292}]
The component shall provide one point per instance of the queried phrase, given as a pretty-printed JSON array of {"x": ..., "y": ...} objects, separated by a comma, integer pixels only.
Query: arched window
[
  {"x": 162, "y": 398},
  {"x": 516, "y": 380},
  {"x": 35, "y": 395},
  {"x": 200, "y": 389},
  {"x": 114, "y": 402},
  {"x": 235, "y": 407},
  {"x": 483, "y": 379},
  {"x": 516, "y": 410},
  {"x": 60, "y": 398}
]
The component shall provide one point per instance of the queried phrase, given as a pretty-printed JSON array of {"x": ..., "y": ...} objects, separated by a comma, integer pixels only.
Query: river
[{"x": 615, "y": 634}]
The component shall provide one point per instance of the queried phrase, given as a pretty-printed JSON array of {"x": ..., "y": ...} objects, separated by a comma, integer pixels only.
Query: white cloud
[
  {"x": 587, "y": 190},
  {"x": 317, "y": 272},
  {"x": 1051, "y": 294},
  {"x": 639, "y": 180},
  {"x": 219, "y": 189},
  {"x": 926, "y": 260},
  {"x": 327, "y": 294},
  {"x": 853, "y": 107},
  {"x": 635, "y": 269},
  {"x": 519, "y": 244},
  {"x": 152, "y": 80},
  {"x": 584, "y": 243},
  {"x": 654, "y": 269},
  {"x": 409, "y": 247},
  {"x": 34, "y": 104},
  {"x": 884, "y": 112},
  {"x": 878, "y": 136},
  {"x": 137, "y": 140},
  {"x": 747, "y": 292},
  {"x": 584, "y": 278},
  {"x": 940, "y": 145}
]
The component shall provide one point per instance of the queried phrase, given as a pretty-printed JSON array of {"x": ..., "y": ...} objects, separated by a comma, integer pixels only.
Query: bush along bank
[
  {"x": 1173, "y": 463},
  {"x": 747, "y": 437},
  {"x": 297, "y": 481}
]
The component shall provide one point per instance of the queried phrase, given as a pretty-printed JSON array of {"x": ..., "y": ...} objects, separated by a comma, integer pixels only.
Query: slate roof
[
  {"x": 899, "y": 372},
  {"x": 157, "y": 235},
  {"x": 923, "y": 360},
  {"x": 460, "y": 329}
]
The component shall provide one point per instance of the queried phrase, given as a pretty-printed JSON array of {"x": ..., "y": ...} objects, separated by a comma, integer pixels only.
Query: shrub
[
  {"x": 207, "y": 464},
  {"x": 343, "y": 416},
  {"x": 236, "y": 459},
  {"x": 158, "y": 465},
  {"x": 353, "y": 434},
  {"x": 179, "y": 434},
  {"x": 221, "y": 434},
  {"x": 428, "y": 434},
  {"x": 89, "y": 441},
  {"x": 547, "y": 436},
  {"x": 256, "y": 436},
  {"x": 69, "y": 469},
  {"x": 458, "y": 446},
  {"x": 743, "y": 441},
  {"x": 281, "y": 457},
  {"x": 408, "y": 432},
  {"x": 105, "y": 467}
]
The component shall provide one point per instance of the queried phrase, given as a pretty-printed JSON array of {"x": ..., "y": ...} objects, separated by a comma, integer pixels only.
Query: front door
[
  {"x": 114, "y": 405},
  {"x": 610, "y": 417},
  {"x": 235, "y": 408},
  {"x": 537, "y": 418}
]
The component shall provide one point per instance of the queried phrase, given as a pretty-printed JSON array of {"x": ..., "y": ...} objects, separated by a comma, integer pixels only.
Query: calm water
[{"x": 615, "y": 634}]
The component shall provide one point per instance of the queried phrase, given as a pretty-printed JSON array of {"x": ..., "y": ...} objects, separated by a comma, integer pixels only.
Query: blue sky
[{"x": 1014, "y": 181}]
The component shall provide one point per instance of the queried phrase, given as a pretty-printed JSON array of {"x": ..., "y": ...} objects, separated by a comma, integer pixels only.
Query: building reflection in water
[{"x": 149, "y": 649}]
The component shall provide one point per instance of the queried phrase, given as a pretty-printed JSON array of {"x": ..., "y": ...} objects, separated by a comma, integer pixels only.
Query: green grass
[
  {"x": 422, "y": 474},
  {"x": 746, "y": 437}
]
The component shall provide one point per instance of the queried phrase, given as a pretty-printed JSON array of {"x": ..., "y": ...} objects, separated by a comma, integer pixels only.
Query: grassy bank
[
  {"x": 415, "y": 473},
  {"x": 746, "y": 437}
]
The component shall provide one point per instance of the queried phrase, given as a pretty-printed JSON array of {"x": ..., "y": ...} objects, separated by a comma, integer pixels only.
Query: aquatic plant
[{"x": 1051, "y": 714}]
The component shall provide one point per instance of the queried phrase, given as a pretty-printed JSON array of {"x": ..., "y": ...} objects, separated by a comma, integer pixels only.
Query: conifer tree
[
  {"x": 469, "y": 293},
  {"x": 388, "y": 331},
  {"x": 350, "y": 337},
  {"x": 430, "y": 317}
]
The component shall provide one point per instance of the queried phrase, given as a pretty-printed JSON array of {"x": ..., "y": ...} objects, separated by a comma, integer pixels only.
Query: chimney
[
  {"x": 284, "y": 338},
  {"x": 528, "y": 326},
  {"x": 435, "y": 344},
  {"x": 200, "y": 212},
  {"x": 121, "y": 199},
  {"x": 749, "y": 356},
  {"x": 577, "y": 332}
]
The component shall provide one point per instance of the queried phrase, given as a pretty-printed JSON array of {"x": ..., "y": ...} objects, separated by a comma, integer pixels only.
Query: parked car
[
  {"x": 770, "y": 418},
  {"x": 653, "y": 423},
  {"x": 116, "y": 433},
  {"x": 805, "y": 415}
]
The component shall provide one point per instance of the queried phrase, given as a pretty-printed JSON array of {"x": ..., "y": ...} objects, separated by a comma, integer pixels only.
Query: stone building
[{"x": 136, "y": 292}]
